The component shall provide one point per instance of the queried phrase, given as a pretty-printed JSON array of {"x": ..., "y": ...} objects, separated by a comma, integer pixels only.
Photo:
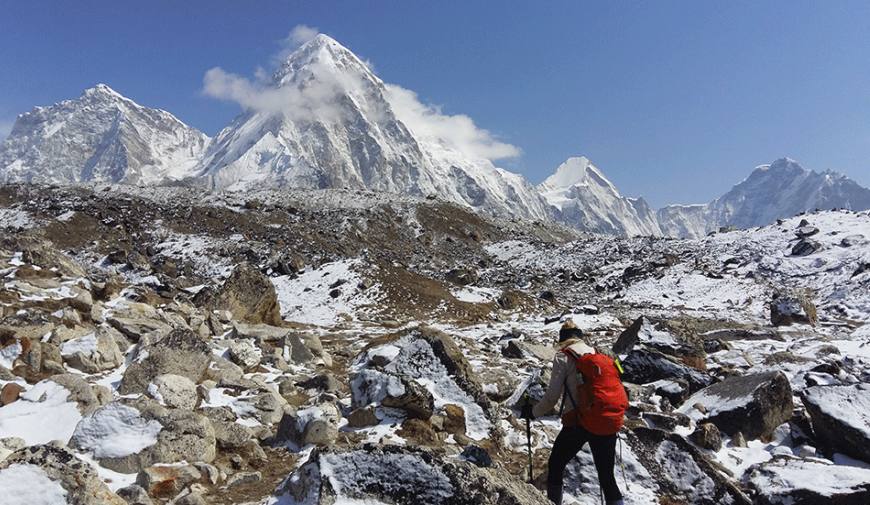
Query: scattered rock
[
  {"x": 752, "y": 404},
  {"x": 791, "y": 307},
  {"x": 79, "y": 479},
  {"x": 10, "y": 393},
  {"x": 247, "y": 293},
  {"x": 174, "y": 391},
  {"x": 840, "y": 418},
  {"x": 181, "y": 352},
  {"x": 707, "y": 436},
  {"x": 244, "y": 354}
]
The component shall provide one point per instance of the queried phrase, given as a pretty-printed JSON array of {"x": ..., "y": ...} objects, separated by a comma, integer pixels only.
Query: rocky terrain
[{"x": 169, "y": 345}]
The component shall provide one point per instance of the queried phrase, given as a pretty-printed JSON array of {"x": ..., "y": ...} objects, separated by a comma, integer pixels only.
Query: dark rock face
[
  {"x": 840, "y": 418},
  {"x": 752, "y": 404},
  {"x": 403, "y": 475},
  {"x": 805, "y": 247},
  {"x": 796, "y": 481},
  {"x": 248, "y": 294},
  {"x": 643, "y": 366}
]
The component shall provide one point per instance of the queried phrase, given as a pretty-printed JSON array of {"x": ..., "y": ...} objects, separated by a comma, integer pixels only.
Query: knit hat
[{"x": 569, "y": 330}]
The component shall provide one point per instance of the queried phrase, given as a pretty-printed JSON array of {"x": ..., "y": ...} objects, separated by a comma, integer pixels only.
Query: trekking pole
[
  {"x": 622, "y": 464},
  {"x": 529, "y": 446}
]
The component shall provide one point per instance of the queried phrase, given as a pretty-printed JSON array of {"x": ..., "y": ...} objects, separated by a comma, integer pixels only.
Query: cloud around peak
[{"x": 320, "y": 100}]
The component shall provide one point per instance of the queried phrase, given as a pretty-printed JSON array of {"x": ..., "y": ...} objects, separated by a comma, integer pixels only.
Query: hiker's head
[{"x": 569, "y": 331}]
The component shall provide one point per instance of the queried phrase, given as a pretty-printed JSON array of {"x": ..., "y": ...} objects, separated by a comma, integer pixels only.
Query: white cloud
[
  {"x": 457, "y": 131},
  {"x": 318, "y": 99}
]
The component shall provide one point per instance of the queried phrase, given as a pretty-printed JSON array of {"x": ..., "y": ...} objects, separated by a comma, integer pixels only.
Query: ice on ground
[
  {"x": 23, "y": 484},
  {"x": 40, "y": 415},
  {"x": 115, "y": 431},
  {"x": 306, "y": 298}
]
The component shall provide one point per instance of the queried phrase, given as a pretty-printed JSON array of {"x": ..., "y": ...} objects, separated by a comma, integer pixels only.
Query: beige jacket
[{"x": 564, "y": 374}]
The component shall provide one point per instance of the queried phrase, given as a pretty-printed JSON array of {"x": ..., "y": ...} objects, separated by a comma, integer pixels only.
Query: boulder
[
  {"x": 680, "y": 470},
  {"x": 646, "y": 333},
  {"x": 174, "y": 391},
  {"x": 792, "y": 307},
  {"x": 416, "y": 401},
  {"x": 805, "y": 247},
  {"x": 80, "y": 392},
  {"x": 394, "y": 474},
  {"x": 247, "y": 293},
  {"x": 135, "y": 495},
  {"x": 94, "y": 352},
  {"x": 323, "y": 382},
  {"x": 315, "y": 425},
  {"x": 228, "y": 434},
  {"x": 799, "y": 481},
  {"x": 55, "y": 466},
  {"x": 840, "y": 418},
  {"x": 362, "y": 418},
  {"x": 181, "y": 352},
  {"x": 257, "y": 332},
  {"x": 245, "y": 354},
  {"x": 10, "y": 393},
  {"x": 129, "y": 436},
  {"x": 137, "y": 327},
  {"x": 522, "y": 350},
  {"x": 643, "y": 366},
  {"x": 164, "y": 481},
  {"x": 707, "y": 436},
  {"x": 752, "y": 404}
]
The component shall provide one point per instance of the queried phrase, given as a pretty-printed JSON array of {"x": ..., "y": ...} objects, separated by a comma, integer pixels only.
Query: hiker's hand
[{"x": 526, "y": 411}]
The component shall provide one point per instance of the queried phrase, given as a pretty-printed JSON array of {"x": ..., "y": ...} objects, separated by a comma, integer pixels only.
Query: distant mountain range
[{"x": 355, "y": 136}]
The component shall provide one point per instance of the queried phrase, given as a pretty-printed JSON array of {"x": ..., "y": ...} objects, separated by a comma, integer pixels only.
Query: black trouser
[{"x": 569, "y": 442}]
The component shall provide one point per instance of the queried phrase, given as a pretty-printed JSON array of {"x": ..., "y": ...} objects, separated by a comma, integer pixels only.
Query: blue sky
[{"x": 674, "y": 101}]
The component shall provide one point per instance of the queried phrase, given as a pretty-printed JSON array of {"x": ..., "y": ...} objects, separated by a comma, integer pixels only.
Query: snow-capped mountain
[
  {"x": 100, "y": 136},
  {"x": 327, "y": 121},
  {"x": 587, "y": 200},
  {"x": 778, "y": 190}
]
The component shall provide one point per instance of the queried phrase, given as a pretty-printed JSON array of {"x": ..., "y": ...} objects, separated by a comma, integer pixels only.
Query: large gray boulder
[
  {"x": 840, "y": 418},
  {"x": 248, "y": 294},
  {"x": 174, "y": 391},
  {"x": 315, "y": 425},
  {"x": 129, "y": 436},
  {"x": 796, "y": 481},
  {"x": 94, "y": 352},
  {"x": 395, "y": 474},
  {"x": 181, "y": 352},
  {"x": 56, "y": 466},
  {"x": 751, "y": 404},
  {"x": 643, "y": 366}
]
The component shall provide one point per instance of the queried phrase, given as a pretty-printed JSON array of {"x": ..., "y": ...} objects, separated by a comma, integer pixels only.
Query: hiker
[{"x": 585, "y": 421}]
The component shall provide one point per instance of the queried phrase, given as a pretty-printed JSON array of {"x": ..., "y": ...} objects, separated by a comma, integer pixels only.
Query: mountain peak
[
  {"x": 103, "y": 90},
  {"x": 321, "y": 54},
  {"x": 577, "y": 170}
]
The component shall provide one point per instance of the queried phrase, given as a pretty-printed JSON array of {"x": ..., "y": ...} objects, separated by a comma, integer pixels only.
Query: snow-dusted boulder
[
  {"x": 418, "y": 367},
  {"x": 315, "y": 425},
  {"x": 245, "y": 354},
  {"x": 793, "y": 481},
  {"x": 52, "y": 474},
  {"x": 644, "y": 332},
  {"x": 181, "y": 352},
  {"x": 644, "y": 366},
  {"x": 173, "y": 391},
  {"x": 680, "y": 470},
  {"x": 790, "y": 308},
  {"x": 127, "y": 437},
  {"x": 751, "y": 404},
  {"x": 840, "y": 418},
  {"x": 247, "y": 294},
  {"x": 395, "y": 474},
  {"x": 94, "y": 352}
]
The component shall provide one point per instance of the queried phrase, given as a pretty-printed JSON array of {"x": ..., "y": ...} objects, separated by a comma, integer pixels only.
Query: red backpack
[{"x": 602, "y": 399}]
